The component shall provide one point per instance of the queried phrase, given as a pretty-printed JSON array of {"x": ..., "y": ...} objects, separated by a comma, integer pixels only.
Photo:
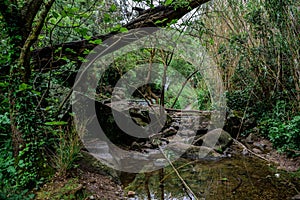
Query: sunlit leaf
[
  {"x": 3, "y": 84},
  {"x": 224, "y": 179},
  {"x": 123, "y": 30},
  {"x": 168, "y": 2},
  {"x": 98, "y": 41},
  {"x": 106, "y": 18},
  {"x": 24, "y": 86},
  {"x": 87, "y": 37},
  {"x": 56, "y": 123}
]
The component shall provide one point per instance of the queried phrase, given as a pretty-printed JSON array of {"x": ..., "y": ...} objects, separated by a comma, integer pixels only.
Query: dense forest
[{"x": 252, "y": 46}]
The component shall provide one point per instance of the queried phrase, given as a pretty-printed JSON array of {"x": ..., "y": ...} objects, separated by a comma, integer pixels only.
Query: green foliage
[
  {"x": 258, "y": 56},
  {"x": 203, "y": 99},
  {"x": 66, "y": 151},
  {"x": 168, "y": 2},
  {"x": 282, "y": 130},
  {"x": 285, "y": 135},
  {"x": 256, "y": 46},
  {"x": 12, "y": 179}
]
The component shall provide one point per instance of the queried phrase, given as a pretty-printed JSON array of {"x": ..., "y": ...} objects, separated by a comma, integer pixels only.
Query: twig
[
  {"x": 177, "y": 173},
  {"x": 259, "y": 156},
  {"x": 238, "y": 185}
]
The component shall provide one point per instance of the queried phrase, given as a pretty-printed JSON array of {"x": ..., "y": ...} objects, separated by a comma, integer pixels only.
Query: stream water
[{"x": 237, "y": 177}]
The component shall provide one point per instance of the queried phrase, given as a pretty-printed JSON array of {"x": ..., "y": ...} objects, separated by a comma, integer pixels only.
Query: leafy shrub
[
  {"x": 285, "y": 136},
  {"x": 10, "y": 183}
]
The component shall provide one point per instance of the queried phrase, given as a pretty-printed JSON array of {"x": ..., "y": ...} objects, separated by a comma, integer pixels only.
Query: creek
[
  {"x": 222, "y": 174},
  {"x": 235, "y": 177}
]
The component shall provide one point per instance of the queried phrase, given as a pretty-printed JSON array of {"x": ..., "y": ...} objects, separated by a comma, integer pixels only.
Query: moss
[{"x": 64, "y": 189}]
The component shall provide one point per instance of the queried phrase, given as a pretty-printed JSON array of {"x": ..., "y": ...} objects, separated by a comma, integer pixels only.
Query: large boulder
[
  {"x": 194, "y": 152},
  {"x": 218, "y": 139},
  {"x": 236, "y": 123}
]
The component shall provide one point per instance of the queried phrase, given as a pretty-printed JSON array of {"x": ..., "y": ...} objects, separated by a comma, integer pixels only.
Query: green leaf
[
  {"x": 48, "y": 108},
  {"x": 87, "y": 37},
  {"x": 168, "y": 2},
  {"x": 70, "y": 50},
  {"x": 123, "y": 30},
  {"x": 11, "y": 169},
  {"x": 56, "y": 123},
  {"x": 106, "y": 18},
  {"x": 24, "y": 86},
  {"x": 98, "y": 41},
  {"x": 55, "y": 14},
  {"x": 58, "y": 50},
  {"x": 65, "y": 58},
  {"x": 174, "y": 21},
  {"x": 82, "y": 59},
  {"x": 117, "y": 27},
  {"x": 4, "y": 84},
  {"x": 37, "y": 93},
  {"x": 161, "y": 21},
  {"x": 113, "y": 8}
]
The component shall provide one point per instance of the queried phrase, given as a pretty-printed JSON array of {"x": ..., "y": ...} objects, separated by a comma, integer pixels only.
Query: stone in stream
[
  {"x": 169, "y": 132},
  {"x": 130, "y": 193},
  {"x": 296, "y": 197},
  {"x": 194, "y": 152},
  {"x": 218, "y": 139}
]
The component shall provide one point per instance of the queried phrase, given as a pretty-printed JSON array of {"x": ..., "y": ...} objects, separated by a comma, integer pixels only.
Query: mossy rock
[{"x": 218, "y": 139}]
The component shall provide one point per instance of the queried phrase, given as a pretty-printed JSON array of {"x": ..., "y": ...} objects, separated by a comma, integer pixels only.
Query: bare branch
[{"x": 73, "y": 50}]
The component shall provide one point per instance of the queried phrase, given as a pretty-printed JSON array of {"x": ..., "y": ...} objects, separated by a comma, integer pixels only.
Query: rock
[
  {"x": 160, "y": 162},
  {"x": 178, "y": 147},
  {"x": 260, "y": 145},
  {"x": 201, "y": 131},
  {"x": 135, "y": 146},
  {"x": 277, "y": 175},
  {"x": 141, "y": 117},
  {"x": 176, "y": 125},
  {"x": 147, "y": 145},
  {"x": 249, "y": 139},
  {"x": 198, "y": 140},
  {"x": 117, "y": 98},
  {"x": 169, "y": 132},
  {"x": 245, "y": 152},
  {"x": 186, "y": 132},
  {"x": 106, "y": 119},
  {"x": 130, "y": 193},
  {"x": 140, "y": 121},
  {"x": 235, "y": 123},
  {"x": 201, "y": 152},
  {"x": 194, "y": 152},
  {"x": 296, "y": 197},
  {"x": 218, "y": 139},
  {"x": 255, "y": 150}
]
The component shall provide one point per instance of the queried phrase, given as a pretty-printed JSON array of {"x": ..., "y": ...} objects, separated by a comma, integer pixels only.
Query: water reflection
[{"x": 238, "y": 177}]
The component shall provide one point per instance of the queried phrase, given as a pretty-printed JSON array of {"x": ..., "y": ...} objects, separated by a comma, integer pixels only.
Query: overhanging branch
[{"x": 56, "y": 55}]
